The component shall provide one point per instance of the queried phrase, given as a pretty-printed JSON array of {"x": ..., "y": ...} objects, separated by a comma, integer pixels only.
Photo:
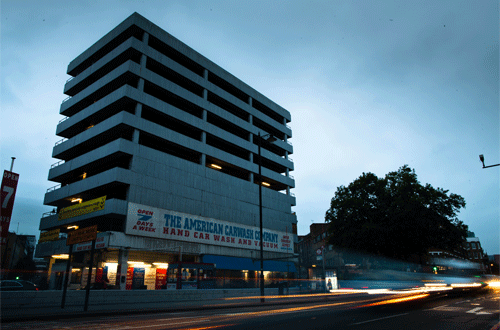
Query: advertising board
[
  {"x": 143, "y": 220},
  {"x": 82, "y": 235},
  {"x": 8, "y": 193},
  {"x": 90, "y": 206},
  {"x": 51, "y": 235}
]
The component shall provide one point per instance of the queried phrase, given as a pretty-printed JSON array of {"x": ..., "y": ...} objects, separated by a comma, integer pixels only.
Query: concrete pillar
[
  {"x": 140, "y": 85},
  {"x": 250, "y": 100},
  {"x": 204, "y": 115},
  {"x": 205, "y": 74},
  {"x": 138, "y": 110},
  {"x": 204, "y": 137},
  {"x": 250, "y": 177},
  {"x": 205, "y": 94},
  {"x": 144, "y": 59},
  {"x": 121, "y": 275},
  {"x": 250, "y": 135},
  {"x": 203, "y": 160},
  {"x": 145, "y": 38}
]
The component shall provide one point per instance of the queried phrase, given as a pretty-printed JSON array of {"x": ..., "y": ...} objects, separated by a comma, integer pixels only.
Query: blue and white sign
[{"x": 143, "y": 220}]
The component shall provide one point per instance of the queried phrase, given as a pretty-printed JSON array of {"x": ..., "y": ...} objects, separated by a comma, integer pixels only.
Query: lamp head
[{"x": 481, "y": 158}]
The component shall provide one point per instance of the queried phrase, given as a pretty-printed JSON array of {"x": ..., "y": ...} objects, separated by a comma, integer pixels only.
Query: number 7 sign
[{"x": 8, "y": 192}]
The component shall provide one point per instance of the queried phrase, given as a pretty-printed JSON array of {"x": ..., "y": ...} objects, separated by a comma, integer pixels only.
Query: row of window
[{"x": 167, "y": 73}]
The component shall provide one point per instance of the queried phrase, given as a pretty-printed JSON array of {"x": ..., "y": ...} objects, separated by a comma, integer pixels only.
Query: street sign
[
  {"x": 82, "y": 235},
  {"x": 52, "y": 235},
  {"x": 8, "y": 192},
  {"x": 319, "y": 252}
]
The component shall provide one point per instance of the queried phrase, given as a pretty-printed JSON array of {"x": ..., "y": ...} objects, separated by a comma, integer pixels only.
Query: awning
[{"x": 234, "y": 263}]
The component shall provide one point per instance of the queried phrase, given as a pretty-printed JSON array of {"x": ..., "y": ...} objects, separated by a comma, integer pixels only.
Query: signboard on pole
[
  {"x": 82, "y": 235},
  {"x": 8, "y": 192},
  {"x": 51, "y": 235}
]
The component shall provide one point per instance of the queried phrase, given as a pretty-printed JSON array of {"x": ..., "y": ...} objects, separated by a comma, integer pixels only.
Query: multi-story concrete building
[
  {"x": 159, "y": 149},
  {"x": 315, "y": 255},
  {"x": 475, "y": 252}
]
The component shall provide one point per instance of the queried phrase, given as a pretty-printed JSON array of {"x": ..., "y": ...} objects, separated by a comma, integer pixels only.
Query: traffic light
[{"x": 435, "y": 269}]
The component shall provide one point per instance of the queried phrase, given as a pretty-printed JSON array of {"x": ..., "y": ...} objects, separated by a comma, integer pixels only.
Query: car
[{"x": 17, "y": 285}]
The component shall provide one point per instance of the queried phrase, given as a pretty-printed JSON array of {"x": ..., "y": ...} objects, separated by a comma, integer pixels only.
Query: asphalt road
[{"x": 471, "y": 311}]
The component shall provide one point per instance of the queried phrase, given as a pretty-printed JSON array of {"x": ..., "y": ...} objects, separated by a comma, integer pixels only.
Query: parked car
[{"x": 17, "y": 285}]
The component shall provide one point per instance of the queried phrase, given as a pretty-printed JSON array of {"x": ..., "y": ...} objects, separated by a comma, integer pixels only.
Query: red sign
[
  {"x": 130, "y": 277},
  {"x": 8, "y": 192},
  {"x": 161, "y": 278}
]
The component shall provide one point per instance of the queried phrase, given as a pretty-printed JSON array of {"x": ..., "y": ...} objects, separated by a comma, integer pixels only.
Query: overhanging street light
[
  {"x": 269, "y": 138},
  {"x": 481, "y": 158}
]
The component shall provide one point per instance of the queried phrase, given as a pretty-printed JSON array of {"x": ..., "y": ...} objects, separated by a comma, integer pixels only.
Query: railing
[
  {"x": 53, "y": 188},
  {"x": 288, "y": 126},
  {"x": 290, "y": 159},
  {"x": 291, "y": 176},
  {"x": 66, "y": 99},
  {"x": 48, "y": 214},
  {"x": 70, "y": 78},
  {"x": 65, "y": 118},
  {"x": 57, "y": 164},
  {"x": 60, "y": 141},
  {"x": 289, "y": 142}
]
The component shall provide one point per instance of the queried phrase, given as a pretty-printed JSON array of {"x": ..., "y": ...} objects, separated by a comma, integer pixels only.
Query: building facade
[
  {"x": 316, "y": 256},
  {"x": 160, "y": 150},
  {"x": 17, "y": 256}
]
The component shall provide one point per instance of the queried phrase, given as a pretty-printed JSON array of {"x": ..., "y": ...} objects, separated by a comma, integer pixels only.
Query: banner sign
[
  {"x": 331, "y": 280},
  {"x": 8, "y": 192},
  {"x": 82, "y": 208},
  {"x": 130, "y": 276},
  {"x": 82, "y": 235},
  {"x": 161, "y": 278},
  {"x": 138, "y": 278},
  {"x": 51, "y": 235},
  {"x": 100, "y": 243},
  {"x": 143, "y": 220}
]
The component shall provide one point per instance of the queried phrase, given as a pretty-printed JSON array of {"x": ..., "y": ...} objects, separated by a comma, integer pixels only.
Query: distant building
[
  {"x": 475, "y": 252},
  {"x": 18, "y": 250},
  {"x": 159, "y": 149},
  {"x": 312, "y": 248}
]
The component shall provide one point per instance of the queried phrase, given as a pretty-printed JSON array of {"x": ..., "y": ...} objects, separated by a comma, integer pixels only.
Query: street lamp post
[
  {"x": 270, "y": 138},
  {"x": 481, "y": 158}
]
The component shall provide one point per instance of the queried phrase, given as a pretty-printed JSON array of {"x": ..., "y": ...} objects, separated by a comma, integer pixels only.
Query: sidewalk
[{"x": 50, "y": 312}]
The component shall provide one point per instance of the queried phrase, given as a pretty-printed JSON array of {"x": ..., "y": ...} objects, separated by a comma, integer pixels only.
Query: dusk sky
[{"x": 370, "y": 85}]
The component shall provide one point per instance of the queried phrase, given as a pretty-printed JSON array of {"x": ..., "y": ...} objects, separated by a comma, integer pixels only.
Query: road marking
[
  {"x": 163, "y": 324},
  {"x": 446, "y": 308},
  {"x": 476, "y": 311},
  {"x": 382, "y": 318}
]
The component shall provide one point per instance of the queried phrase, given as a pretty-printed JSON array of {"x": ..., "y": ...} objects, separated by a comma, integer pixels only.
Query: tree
[{"x": 395, "y": 216}]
